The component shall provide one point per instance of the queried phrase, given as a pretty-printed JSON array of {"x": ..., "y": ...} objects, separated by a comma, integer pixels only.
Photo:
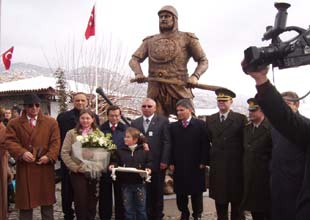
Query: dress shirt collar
[
  {"x": 150, "y": 118},
  {"x": 224, "y": 114}
]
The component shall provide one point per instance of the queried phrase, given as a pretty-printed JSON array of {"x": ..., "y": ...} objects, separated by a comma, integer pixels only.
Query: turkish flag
[
  {"x": 90, "y": 30},
  {"x": 6, "y": 58}
]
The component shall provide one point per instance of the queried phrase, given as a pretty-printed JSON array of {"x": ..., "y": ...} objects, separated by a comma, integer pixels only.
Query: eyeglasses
[
  {"x": 253, "y": 110},
  {"x": 37, "y": 105},
  {"x": 147, "y": 106}
]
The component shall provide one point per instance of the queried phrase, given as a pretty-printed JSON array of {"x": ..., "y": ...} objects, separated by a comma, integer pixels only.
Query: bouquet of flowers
[
  {"x": 94, "y": 150},
  {"x": 97, "y": 139}
]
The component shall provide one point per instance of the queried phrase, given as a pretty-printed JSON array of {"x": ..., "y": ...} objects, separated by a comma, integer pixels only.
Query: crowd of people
[
  {"x": 258, "y": 163},
  {"x": 254, "y": 165}
]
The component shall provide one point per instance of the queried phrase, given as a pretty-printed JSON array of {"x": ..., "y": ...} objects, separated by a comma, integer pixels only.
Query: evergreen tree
[{"x": 61, "y": 87}]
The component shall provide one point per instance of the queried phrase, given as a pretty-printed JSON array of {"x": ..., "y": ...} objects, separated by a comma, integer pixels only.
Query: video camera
[{"x": 282, "y": 54}]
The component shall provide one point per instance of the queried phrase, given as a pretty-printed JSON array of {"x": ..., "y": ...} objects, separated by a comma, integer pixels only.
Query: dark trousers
[
  {"x": 46, "y": 213},
  {"x": 85, "y": 196},
  {"x": 155, "y": 196},
  {"x": 106, "y": 201},
  {"x": 260, "y": 216},
  {"x": 66, "y": 193},
  {"x": 197, "y": 205},
  {"x": 222, "y": 211}
]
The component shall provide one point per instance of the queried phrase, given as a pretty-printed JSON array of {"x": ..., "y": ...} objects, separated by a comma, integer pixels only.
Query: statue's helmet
[{"x": 170, "y": 9}]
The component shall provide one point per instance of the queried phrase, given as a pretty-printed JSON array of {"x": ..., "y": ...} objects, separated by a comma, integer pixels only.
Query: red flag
[
  {"x": 6, "y": 58},
  {"x": 90, "y": 30}
]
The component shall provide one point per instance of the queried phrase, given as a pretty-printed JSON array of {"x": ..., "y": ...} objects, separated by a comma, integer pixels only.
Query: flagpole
[{"x": 96, "y": 58}]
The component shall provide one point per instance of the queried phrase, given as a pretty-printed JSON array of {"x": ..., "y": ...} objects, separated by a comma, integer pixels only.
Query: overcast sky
[{"x": 40, "y": 29}]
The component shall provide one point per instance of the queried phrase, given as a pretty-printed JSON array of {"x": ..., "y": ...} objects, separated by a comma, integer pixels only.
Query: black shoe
[
  {"x": 184, "y": 216},
  {"x": 197, "y": 217}
]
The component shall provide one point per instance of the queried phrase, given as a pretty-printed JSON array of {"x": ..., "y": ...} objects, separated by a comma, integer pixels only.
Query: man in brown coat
[{"x": 34, "y": 140}]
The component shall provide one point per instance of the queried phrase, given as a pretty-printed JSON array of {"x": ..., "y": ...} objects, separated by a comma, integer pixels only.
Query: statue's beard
[{"x": 165, "y": 27}]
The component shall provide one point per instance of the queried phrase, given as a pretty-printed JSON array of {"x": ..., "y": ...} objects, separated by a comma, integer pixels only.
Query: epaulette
[
  {"x": 148, "y": 37},
  {"x": 192, "y": 35}
]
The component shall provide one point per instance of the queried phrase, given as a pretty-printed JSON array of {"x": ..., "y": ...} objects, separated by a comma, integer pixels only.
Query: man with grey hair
[
  {"x": 155, "y": 129},
  {"x": 168, "y": 53},
  {"x": 190, "y": 156}
]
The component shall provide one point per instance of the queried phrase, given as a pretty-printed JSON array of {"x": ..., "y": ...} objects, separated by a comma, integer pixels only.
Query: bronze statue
[{"x": 168, "y": 53}]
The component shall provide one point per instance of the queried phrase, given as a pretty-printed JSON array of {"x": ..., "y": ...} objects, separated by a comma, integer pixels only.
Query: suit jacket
[
  {"x": 118, "y": 135},
  {"x": 158, "y": 139},
  {"x": 226, "y": 157},
  {"x": 190, "y": 149}
]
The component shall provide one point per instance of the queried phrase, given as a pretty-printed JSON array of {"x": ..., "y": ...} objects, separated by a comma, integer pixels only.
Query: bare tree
[{"x": 107, "y": 61}]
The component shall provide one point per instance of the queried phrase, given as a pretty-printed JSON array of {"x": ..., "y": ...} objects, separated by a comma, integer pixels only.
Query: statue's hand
[
  {"x": 140, "y": 78},
  {"x": 192, "y": 81}
]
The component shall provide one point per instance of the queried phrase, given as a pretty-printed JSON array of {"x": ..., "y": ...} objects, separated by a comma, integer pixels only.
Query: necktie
[
  {"x": 146, "y": 124},
  {"x": 113, "y": 128},
  {"x": 31, "y": 122},
  {"x": 185, "y": 123},
  {"x": 222, "y": 118}
]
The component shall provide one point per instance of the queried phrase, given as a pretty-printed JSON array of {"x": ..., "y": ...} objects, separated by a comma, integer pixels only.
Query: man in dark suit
[
  {"x": 115, "y": 127},
  {"x": 257, "y": 145},
  {"x": 155, "y": 128},
  {"x": 225, "y": 130},
  {"x": 190, "y": 156}
]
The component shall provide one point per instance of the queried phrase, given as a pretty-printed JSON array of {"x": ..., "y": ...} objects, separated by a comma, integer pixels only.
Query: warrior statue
[{"x": 168, "y": 53}]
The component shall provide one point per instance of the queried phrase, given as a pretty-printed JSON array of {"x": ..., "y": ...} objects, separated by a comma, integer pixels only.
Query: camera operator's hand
[
  {"x": 260, "y": 75},
  {"x": 140, "y": 78}
]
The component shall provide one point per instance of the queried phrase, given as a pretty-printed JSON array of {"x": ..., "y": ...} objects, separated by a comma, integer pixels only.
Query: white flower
[
  {"x": 101, "y": 141},
  {"x": 79, "y": 138},
  {"x": 95, "y": 139}
]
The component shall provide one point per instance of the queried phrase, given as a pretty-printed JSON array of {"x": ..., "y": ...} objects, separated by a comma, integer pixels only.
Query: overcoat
[
  {"x": 3, "y": 174},
  {"x": 256, "y": 162},
  {"x": 226, "y": 157},
  {"x": 296, "y": 129},
  {"x": 35, "y": 184},
  {"x": 190, "y": 149}
]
